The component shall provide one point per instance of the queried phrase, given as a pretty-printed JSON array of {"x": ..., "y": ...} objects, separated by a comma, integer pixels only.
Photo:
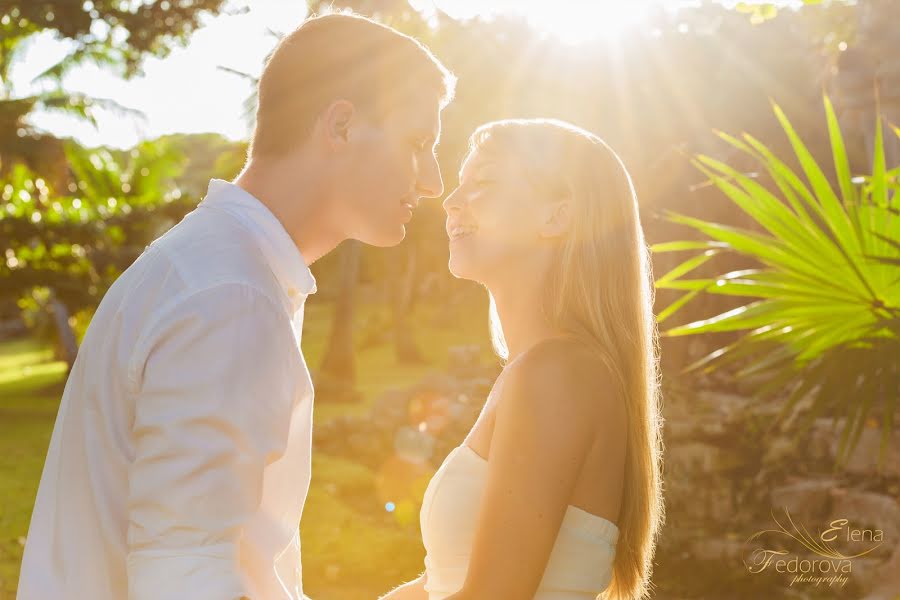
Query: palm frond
[{"x": 824, "y": 300}]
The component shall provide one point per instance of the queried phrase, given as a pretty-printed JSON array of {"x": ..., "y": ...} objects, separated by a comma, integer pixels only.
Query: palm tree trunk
[
  {"x": 339, "y": 360},
  {"x": 405, "y": 348},
  {"x": 68, "y": 343}
]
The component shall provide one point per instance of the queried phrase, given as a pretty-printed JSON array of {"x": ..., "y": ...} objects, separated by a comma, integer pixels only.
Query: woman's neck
[{"x": 519, "y": 309}]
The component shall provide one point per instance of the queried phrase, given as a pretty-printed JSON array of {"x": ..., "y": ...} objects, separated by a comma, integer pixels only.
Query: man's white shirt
[{"x": 180, "y": 459}]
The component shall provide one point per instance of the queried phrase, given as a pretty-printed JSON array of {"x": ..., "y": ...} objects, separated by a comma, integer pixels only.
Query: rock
[
  {"x": 705, "y": 501},
  {"x": 819, "y": 446},
  {"x": 808, "y": 500},
  {"x": 717, "y": 550},
  {"x": 749, "y": 384},
  {"x": 440, "y": 383},
  {"x": 390, "y": 409},
  {"x": 725, "y": 404},
  {"x": 720, "y": 506},
  {"x": 464, "y": 358},
  {"x": 693, "y": 456},
  {"x": 413, "y": 445},
  {"x": 883, "y": 585},
  {"x": 705, "y": 428},
  {"x": 867, "y": 511},
  {"x": 712, "y": 428},
  {"x": 677, "y": 431},
  {"x": 701, "y": 457},
  {"x": 797, "y": 413},
  {"x": 778, "y": 449},
  {"x": 864, "y": 458},
  {"x": 865, "y": 569}
]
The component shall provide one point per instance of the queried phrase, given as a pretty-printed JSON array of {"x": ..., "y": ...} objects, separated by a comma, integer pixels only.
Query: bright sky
[{"x": 187, "y": 92}]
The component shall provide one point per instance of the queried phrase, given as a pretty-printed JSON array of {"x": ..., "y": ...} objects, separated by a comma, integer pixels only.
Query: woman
[{"x": 555, "y": 493}]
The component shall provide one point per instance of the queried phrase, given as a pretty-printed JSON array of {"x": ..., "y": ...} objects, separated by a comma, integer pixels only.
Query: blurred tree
[
  {"x": 338, "y": 369},
  {"x": 41, "y": 152},
  {"x": 866, "y": 78},
  {"x": 401, "y": 278},
  {"x": 64, "y": 248},
  {"x": 209, "y": 155},
  {"x": 109, "y": 33}
]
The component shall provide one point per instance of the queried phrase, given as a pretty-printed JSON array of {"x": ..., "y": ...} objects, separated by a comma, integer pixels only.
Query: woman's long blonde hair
[{"x": 600, "y": 289}]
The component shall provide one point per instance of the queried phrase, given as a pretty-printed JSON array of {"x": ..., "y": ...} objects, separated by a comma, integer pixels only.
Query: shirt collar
[{"x": 270, "y": 235}]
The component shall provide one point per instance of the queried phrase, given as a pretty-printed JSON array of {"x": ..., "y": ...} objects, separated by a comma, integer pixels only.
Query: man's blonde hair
[{"x": 341, "y": 56}]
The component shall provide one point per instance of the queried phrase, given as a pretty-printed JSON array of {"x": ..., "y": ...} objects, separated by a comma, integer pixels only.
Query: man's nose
[{"x": 430, "y": 184}]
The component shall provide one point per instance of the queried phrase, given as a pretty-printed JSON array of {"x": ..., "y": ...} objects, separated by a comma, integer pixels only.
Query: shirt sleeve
[{"x": 213, "y": 402}]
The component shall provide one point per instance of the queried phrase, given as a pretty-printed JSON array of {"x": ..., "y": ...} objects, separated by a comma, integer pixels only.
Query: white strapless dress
[{"x": 580, "y": 565}]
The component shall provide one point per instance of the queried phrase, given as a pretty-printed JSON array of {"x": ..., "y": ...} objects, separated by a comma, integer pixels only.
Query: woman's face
[{"x": 495, "y": 221}]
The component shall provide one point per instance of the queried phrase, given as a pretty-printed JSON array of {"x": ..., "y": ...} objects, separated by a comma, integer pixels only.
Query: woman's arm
[{"x": 414, "y": 590}]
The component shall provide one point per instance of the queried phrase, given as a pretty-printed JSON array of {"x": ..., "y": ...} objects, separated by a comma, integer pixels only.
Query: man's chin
[{"x": 386, "y": 238}]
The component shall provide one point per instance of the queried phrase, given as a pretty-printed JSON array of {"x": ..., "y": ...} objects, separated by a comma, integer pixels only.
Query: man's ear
[
  {"x": 558, "y": 219},
  {"x": 337, "y": 120}
]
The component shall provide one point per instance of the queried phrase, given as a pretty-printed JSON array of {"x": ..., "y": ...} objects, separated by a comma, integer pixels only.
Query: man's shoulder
[{"x": 207, "y": 250}]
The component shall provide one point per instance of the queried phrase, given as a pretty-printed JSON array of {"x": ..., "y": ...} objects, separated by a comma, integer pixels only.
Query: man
[{"x": 180, "y": 459}]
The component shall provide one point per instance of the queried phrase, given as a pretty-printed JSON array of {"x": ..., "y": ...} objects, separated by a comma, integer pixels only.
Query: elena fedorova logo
[{"x": 806, "y": 558}]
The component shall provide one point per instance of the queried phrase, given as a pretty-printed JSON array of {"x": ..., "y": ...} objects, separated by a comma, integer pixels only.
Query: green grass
[
  {"x": 29, "y": 399},
  {"x": 26, "y": 365},
  {"x": 352, "y": 548}
]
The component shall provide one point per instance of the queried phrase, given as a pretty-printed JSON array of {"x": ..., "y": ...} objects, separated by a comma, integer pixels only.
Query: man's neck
[{"x": 297, "y": 198}]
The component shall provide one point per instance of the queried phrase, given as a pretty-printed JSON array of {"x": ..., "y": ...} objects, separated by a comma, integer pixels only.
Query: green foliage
[
  {"x": 111, "y": 33},
  {"x": 760, "y": 12},
  {"x": 78, "y": 240},
  {"x": 827, "y": 318}
]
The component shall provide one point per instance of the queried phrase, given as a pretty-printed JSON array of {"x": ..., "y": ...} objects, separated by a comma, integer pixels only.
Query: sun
[
  {"x": 571, "y": 21},
  {"x": 575, "y": 21}
]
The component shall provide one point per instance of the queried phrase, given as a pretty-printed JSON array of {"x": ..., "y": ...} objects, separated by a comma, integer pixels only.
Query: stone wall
[{"x": 731, "y": 474}]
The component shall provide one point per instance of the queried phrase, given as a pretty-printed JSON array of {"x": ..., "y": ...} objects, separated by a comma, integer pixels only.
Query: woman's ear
[{"x": 558, "y": 219}]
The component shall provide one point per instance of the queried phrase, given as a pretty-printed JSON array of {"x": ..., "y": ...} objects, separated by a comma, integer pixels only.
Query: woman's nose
[{"x": 452, "y": 202}]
